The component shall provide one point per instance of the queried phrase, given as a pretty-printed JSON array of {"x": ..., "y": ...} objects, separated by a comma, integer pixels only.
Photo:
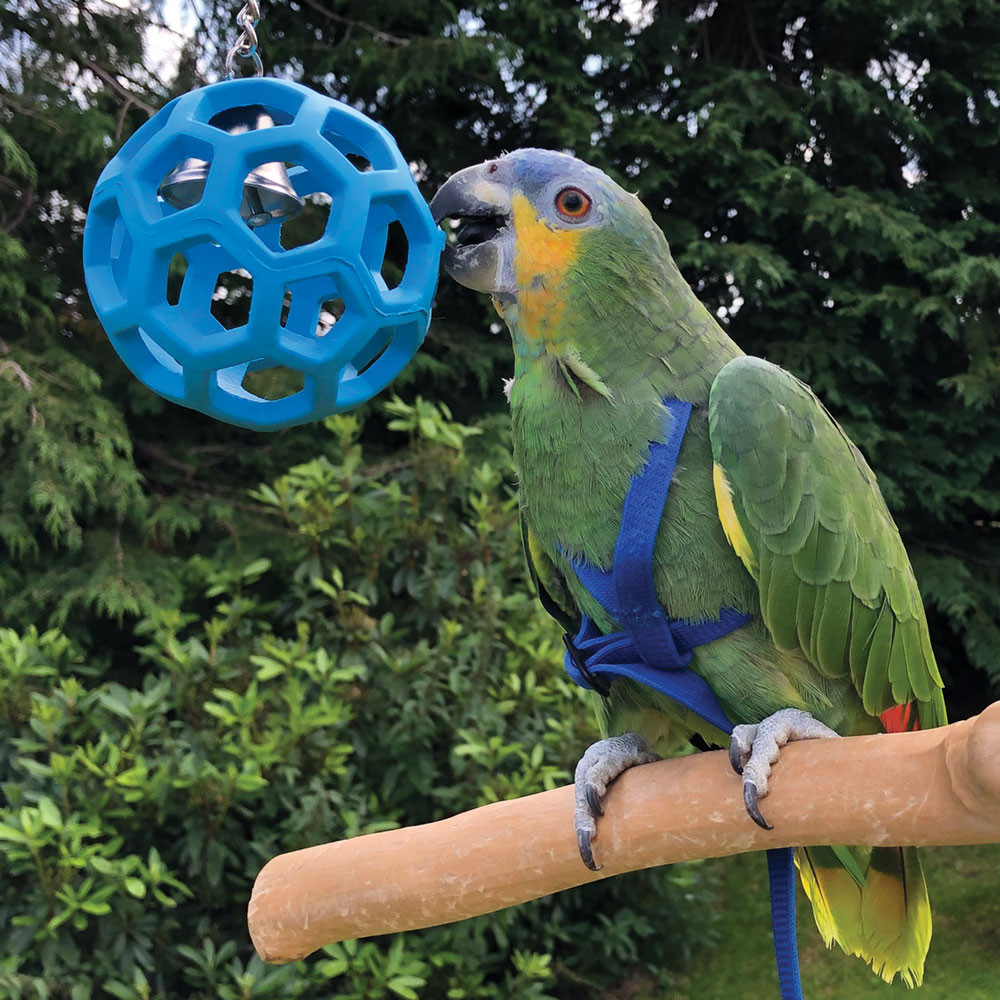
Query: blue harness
[{"x": 654, "y": 650}]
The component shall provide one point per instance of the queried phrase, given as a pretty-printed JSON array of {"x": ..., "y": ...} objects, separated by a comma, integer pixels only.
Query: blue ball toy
[{"x": 329, "y": 312}]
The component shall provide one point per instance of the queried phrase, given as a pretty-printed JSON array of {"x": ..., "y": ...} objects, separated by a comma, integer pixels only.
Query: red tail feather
[{"x": 900, "y": 718}]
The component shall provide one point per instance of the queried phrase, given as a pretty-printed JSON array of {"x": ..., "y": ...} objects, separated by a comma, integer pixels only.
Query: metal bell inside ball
[{"x": 268, "y": 195}]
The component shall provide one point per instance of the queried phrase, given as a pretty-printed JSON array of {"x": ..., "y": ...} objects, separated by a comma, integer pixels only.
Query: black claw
[
  {"x": 594, "y": 800},
  {"x": 586, "y": 853},
  {"x": 736, "y": 756},
  {"x": 750, "y": 801}
]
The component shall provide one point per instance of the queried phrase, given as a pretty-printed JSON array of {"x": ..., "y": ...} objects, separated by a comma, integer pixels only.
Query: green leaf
[
  {"x": 9, "y": 833},
  {"x": 256, "y": 568},
  {"x": 98, "y": 909},
  {"x": 49, "y": 813},
  {"x": 135, "y": 887},
  {"x": 403, "y": 986}
]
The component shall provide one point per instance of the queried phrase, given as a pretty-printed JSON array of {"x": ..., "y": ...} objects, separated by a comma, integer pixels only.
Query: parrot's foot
[
  {"x": 599, "y": 766},
  {"x": 753, "y": 749}
]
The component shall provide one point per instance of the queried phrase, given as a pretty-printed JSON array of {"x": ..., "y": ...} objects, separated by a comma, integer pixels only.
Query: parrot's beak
[{"x": 481, "y": 254}]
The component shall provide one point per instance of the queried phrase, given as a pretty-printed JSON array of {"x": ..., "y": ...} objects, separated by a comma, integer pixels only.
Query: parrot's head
[{"x": 540, "y": 230}]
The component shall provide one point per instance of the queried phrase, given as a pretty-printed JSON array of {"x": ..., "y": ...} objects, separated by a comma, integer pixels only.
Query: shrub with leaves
[{"x": 373, "y": 666}]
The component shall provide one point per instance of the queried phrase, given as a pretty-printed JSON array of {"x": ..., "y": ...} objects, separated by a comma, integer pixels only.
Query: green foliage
[
  {"x": 962, "y": 960},
  {"x": 383, "y": 663},
  {"x": 218, "y": 646},
  {"x": 825, "y": 175}
]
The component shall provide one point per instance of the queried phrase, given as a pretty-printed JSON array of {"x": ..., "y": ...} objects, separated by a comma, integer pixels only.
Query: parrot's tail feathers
[
  {"x": 896, "y": 915},
  {"x": 878, "y": 911},
  {"x": 900, "y": 718},
  {"x": 835, "y": 895},
  {"x": 933, "y": 712}
]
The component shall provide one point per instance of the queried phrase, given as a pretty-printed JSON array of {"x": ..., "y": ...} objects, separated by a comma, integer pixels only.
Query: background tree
[{"x": 197, "y": 668}]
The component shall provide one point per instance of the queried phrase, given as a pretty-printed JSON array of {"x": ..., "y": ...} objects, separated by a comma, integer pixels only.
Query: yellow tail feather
[
  {"x": 896, "y": 915},
  {"x": 882, "y": 915},
  {"x": 835, "y": 897}
]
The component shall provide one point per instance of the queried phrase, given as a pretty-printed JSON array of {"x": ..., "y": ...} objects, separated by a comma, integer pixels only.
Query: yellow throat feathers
[{"x": 542, "y": 259}]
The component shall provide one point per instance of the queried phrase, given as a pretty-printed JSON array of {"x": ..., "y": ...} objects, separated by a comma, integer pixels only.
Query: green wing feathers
[
  {"x": 549, "y": 584},
  {"x": 803, "y": 510}
]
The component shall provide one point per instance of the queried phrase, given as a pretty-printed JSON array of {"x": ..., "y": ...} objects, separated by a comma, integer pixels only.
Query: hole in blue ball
[
  {"x": 249, "y": 118},
  {"x": 310, "y": 224},
  {"x": 231, "y": 298},
  {"x": 275, "y": 382},
  {"x": 359, "y": 162},
  {"x": 308, "y": 319},
  {"x": 120, "y": 254},
  {"x": 352, "y": 152},
  {"x": 176, "y": 273},
  {"x": 397, "y": 252},
  {"x": 329, "y": 312},
  {"x": 366, "y": 363}
]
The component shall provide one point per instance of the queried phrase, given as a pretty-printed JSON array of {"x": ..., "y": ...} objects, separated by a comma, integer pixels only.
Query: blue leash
[
  {"x": 655, "y": 650},
  {"x": 781, "y": 879}
]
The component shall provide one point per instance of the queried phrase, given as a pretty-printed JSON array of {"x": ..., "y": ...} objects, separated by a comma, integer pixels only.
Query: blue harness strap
[
  {"x": 654, "y": 650},
  {"x": 651, "y": 649},
  {"x": 781, "y": 880}
]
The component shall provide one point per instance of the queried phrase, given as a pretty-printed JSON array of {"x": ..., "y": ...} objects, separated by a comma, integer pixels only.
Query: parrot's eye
[{"x": 572, "y": 203}]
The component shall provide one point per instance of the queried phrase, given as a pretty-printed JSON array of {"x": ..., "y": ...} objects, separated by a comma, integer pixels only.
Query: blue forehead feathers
[{"x": 535, "y": 169}]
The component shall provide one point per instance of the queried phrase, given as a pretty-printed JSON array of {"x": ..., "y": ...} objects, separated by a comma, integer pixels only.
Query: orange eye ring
[{"x": 572, "y": 203}]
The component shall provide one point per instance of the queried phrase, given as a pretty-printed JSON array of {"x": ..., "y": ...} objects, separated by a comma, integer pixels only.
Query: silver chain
[{"x": 246, "y": 45}]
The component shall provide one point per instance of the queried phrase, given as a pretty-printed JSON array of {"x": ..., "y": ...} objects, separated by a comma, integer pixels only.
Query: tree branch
[
  {"x": 941, "y": 786},
  {"x": 23, "y": 377},
  {"x": 130, "y": 99},
  {"x": 349, "y": 22}
]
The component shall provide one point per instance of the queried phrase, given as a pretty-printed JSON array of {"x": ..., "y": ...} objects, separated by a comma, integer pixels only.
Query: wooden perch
[{"x": 941, "y": 786}]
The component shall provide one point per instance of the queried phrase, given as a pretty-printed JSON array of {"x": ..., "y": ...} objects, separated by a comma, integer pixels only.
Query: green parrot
[{"x": 772, "y": 512}]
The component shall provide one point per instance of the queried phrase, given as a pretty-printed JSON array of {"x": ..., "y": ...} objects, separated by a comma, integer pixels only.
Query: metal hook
[{"x": 246, "y": 45}]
